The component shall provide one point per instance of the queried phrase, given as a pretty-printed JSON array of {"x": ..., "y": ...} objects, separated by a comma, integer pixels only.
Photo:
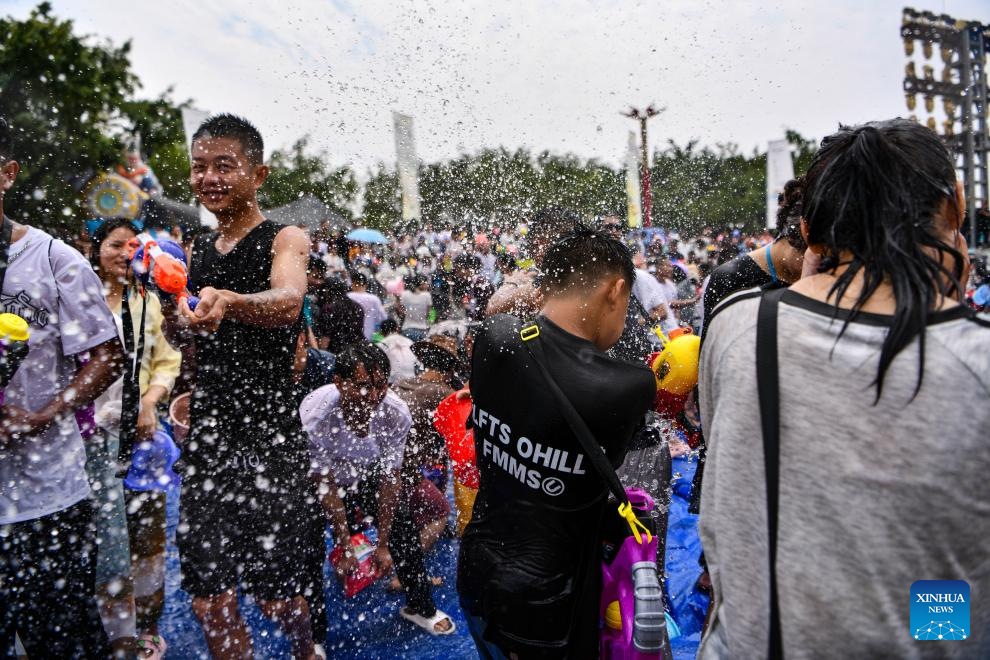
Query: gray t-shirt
[
  {"x": 55, "y": 290},
  {"x": 417, "y": 305},
  {"x": 872, "y": 497}
]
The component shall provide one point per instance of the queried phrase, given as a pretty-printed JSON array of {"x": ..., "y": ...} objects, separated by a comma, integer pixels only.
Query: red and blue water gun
[{"x": 163, "y": 262}]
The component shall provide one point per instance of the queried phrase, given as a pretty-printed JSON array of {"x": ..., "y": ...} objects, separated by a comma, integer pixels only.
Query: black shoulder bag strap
[
  {"x": 633, "y": 300},
  {"x": 591, "y": 447},
  {"x": 131, "y": 396},
  {"x": 768, "y": 387}
]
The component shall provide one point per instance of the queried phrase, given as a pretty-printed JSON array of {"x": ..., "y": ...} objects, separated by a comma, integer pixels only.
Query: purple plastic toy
[{"x": 632, "y": 601}]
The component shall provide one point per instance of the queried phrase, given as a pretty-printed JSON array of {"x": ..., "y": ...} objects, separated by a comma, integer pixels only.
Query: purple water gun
[{"x": 632, "y": 599}]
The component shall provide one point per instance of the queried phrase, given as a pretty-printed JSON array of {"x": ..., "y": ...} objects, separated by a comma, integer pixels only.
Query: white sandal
[{"x": 429, "y": 625}]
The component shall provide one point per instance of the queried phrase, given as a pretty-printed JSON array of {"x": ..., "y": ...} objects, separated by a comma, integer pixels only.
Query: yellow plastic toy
[
  {"x": 14, "y": 335},
  {"x": 613, "y": 615},
  {"x": 13, "y": 327},
  {"x": 676, "y": 367}
]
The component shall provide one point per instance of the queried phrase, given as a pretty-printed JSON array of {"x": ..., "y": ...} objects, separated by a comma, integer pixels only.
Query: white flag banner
[
  {"x": 191, "y": 119},
  {"x": 407, "y": 165},
  {"x": 780, "y": 170},
  {"x": 634, "y": 196}
]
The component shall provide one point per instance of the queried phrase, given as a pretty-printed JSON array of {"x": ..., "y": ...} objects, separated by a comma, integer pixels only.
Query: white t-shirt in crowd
[
  {"x": 353, "y": 458},
  {"x": 417, "y": 306},
  {"x": 334, "y": 263},
  {"x": 651, "y": 293},
  {"x": 374, "y": 311},
  {"x": 398, "y": 348},
  {"x": 487, "y": 265},
  {"x": 55, "y": 290}
]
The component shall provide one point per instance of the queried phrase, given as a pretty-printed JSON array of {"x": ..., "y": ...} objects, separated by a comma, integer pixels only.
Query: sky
[{"x": 542, "y": 74}]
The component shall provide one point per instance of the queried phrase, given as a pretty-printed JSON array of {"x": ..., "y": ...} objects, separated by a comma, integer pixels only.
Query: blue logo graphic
[{"x": 940, "y": 610}]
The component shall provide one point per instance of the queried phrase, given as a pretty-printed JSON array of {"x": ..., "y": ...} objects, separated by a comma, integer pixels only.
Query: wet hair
[
  {"x": 236, "y": 128},
  {"x": 6, "y": 141},
  {"x": 550, "y": 223},
  {"x": 726, "y": 253},
  {"x": 100, "y": 235},
  {"x": 876, "y": 191},
  {"x": 372, "y": 358},
  {"x": 789, "y": 207},
  {"x": 316, "y": 266},
  {"x": 467, "y": 262},
  {"x": 388, "y": 327},
  {"x": 334, "y": 288},
  {"x": 505, "y": 260},
  {"x": 582, "y": 258}
]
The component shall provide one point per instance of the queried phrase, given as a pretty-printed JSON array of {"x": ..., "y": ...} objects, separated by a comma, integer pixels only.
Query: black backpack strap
[
  {"x": 976, "y": 318},
  {"x": 589, "y": 444},
  {"x": 5, "y": 231},
  {"x": 640, "y": 308},
  {"x": 768, "y": 387}
]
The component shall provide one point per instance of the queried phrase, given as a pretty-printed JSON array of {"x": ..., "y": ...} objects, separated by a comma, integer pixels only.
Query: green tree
[
  {"x": 498, "y": 187},
  {"x": 60, "y": 92},
  {"x": 693, "y": 187},
  {"x": 804, "y": 150},
  {"x": 295, "y": 173},
  {"x": 68, "y": 98},
  {"x": 382, "y": 200},
  {"x": 159, "y": 121}
]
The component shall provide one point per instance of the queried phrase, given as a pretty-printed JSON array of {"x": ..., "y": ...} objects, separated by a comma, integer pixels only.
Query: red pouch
[{"x": 367, "y": 572}]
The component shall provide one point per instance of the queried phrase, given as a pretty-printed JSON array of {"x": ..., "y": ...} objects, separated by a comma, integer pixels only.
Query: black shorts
[
  {"x": 47, "y": 583},
  {"x": 270, "y": 546}
]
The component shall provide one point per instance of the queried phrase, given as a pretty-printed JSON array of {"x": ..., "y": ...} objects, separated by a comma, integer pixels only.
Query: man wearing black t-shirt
[{"x": 528, "y": 572}]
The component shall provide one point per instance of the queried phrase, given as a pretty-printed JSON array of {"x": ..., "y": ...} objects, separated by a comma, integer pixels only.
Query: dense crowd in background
[{"x": 304, "y": 376}]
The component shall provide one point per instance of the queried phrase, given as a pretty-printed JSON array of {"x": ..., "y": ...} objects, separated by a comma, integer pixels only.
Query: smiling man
[{"x": 249, "y": 515}]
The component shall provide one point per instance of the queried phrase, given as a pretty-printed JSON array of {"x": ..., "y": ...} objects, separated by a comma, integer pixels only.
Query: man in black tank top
[{"x": 250, "y": 518}]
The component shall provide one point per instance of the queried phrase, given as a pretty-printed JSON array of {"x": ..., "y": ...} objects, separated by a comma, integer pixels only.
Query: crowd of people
[{"x": 841, "y": 392}]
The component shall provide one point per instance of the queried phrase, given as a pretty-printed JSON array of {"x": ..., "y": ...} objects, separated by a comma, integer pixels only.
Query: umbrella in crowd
[{"x": 365, "y": 235}]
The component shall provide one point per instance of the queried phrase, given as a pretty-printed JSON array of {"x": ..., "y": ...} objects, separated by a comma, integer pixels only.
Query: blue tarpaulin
[{"x": 368, "y": 625}]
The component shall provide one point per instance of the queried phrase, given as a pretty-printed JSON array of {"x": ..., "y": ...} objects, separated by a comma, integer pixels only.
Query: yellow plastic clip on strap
[
  {"x": 626, "y": 511},
  {"x": 530, "y": 332}
]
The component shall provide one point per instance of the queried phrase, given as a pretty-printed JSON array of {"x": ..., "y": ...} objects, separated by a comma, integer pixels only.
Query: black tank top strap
[{"x": 245, "y": 269}]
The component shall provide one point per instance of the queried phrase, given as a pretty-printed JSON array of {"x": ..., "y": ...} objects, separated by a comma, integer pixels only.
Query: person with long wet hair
[{"x": 874, "y": 418}]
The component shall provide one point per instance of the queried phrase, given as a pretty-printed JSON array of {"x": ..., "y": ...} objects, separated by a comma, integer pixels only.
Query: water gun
[
  {"x": 14, "y": 335},
  {"x": 167, "y": 267},
  {"x": 152, "y": 463},
  {"x": 675, "y": 368},
  {"x": 635, "y": 625}
]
